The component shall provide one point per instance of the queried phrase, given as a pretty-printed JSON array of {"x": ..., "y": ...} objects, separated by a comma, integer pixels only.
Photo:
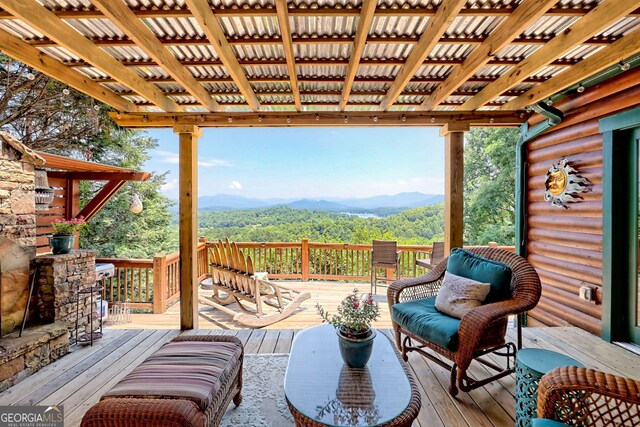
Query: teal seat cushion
[
  {"x": 543, "y": 422},
  {"x": 421, "y": 318},
  {"x": 498, "y": 275}
]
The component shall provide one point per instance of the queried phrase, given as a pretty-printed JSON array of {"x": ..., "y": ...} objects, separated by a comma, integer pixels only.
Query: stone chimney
[{"x": 17, "y": 228}]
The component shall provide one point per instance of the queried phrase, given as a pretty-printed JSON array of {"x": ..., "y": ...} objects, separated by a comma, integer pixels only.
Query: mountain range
[{"x": 398, "y": 201}]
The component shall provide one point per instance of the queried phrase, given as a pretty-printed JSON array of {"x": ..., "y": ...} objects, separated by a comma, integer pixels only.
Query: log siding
[{"x": 565, "y": 245}]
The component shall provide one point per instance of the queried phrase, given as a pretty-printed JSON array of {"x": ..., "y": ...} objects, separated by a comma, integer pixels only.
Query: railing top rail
[
  {"x": 256, "y": 245},
  {"x": 125, "y": 262}
]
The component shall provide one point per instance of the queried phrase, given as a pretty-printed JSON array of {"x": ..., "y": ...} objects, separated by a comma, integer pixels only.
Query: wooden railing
[
  {"x": 153, "y": 284},
  {"x": 148, "y": 284},
  {"x": 327, "y": 261}
]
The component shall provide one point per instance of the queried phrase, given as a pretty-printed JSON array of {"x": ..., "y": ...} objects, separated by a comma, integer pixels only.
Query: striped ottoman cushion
[{"x": 191, "y": 370}]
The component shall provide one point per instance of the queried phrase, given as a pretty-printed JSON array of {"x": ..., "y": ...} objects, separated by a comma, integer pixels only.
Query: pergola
[{"x": 189, "y": 64}]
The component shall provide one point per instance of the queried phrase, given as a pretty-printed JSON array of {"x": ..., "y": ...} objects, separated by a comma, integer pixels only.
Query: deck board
[{"x": 79, "y": 379}]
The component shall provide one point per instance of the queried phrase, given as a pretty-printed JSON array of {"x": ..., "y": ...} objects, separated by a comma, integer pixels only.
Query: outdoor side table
[{"x": 531, "y": 365}]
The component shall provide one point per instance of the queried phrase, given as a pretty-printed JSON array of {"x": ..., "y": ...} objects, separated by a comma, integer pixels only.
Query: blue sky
[{"x": 307, "y": 162}]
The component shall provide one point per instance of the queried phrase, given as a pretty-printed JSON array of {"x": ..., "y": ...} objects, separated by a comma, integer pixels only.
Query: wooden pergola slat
[
  {"x": 435, "y": 28},
  {"x": 298, "y": 40},
  {"x": 53, "y": 27},
  {"x": 623, "y": 48},
  {"x": 144, "y": 38},
  {"x": 364, "y": 24},
  {"x": 525, "y": 14},
  {"x": 177, "y": 12},
  {"x": 211, "y": 27},
  {"x": 285, "y": 33},
  {"x": 606, "y": 13},
  {"x": 16, "y": 48}
]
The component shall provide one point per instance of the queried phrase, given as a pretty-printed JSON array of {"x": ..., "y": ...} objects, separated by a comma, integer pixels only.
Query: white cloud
[
  {"x": 174, "y": 159},
  {"x": 235, "y": 185},
  {"x": 171, "y": 189}
]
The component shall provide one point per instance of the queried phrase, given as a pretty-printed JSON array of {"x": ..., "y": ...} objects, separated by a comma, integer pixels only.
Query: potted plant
[
  {"x": 64, "y": 234},
  {"x": 353, "y": 326}
]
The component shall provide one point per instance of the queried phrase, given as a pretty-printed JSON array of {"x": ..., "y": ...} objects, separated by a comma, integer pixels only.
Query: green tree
[
  {"x": 49, "y": 116},
  {"x": 489, "y": 185}
]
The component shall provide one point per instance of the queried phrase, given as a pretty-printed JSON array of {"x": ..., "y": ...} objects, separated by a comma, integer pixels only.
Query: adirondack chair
[{"x": 234, "y": 274}]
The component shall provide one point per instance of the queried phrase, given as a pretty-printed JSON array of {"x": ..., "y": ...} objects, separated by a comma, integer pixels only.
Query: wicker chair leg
[
  {"x": 396, "y": 330},
  {"x": 453, "y": 389}
]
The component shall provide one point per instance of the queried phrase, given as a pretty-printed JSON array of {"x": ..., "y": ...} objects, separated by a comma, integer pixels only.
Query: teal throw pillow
[{"x": 467, "y": 264}]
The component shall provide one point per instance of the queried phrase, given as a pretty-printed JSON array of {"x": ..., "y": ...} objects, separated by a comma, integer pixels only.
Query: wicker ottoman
[{"x": 187, "y": 382}]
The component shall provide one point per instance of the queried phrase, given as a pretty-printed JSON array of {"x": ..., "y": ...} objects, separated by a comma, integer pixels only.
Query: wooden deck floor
[
  {"x": 328, "y": 294},
  {"x": 80, "y": 378}
]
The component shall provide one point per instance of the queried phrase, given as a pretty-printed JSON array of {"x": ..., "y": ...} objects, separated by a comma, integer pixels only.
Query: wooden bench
[
  {"x": 188, "y": 382},
  {"x": 234, "y": 275}
]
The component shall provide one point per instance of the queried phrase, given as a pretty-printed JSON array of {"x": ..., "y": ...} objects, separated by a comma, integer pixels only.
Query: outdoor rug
[{"x": 263, "y": 403}]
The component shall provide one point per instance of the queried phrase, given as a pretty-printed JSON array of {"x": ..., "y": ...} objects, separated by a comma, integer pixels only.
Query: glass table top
[{"x": 321, "y": 387}]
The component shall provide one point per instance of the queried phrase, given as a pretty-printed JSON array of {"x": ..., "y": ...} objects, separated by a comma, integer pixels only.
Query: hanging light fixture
[
  {"x": 135, "y": 204},
  {"x": 44, "y": 193}
]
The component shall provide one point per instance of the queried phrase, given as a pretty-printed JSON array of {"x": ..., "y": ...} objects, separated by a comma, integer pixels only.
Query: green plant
[
  {"x": 355, "y": 314},
  {"x": 71, "y": 226}
]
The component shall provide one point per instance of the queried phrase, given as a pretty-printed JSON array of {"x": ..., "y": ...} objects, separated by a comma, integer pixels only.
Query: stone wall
[
  {"x": 58, "y": 281},
  {"x": 22, "y": 356},
  {"x": 17, "y": 228}
]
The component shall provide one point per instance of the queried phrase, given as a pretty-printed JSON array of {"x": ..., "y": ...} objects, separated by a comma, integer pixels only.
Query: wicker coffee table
[{"x": 322, "y": 391}]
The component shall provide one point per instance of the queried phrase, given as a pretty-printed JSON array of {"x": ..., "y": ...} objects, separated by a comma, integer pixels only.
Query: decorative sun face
[{"x": 563, "y": 184}]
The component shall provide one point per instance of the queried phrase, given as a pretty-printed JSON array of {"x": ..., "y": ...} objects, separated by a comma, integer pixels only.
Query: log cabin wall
[{"x": 565, "y": 245}]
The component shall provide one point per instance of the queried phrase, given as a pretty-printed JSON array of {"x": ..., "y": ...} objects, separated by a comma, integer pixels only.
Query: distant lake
[{"x": 361, "y": 215}]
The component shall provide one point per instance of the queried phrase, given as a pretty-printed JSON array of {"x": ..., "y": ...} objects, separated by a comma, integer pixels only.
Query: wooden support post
[
  {"x": 188, "y": 225},
  {"x": 454, "y": 185},
  {"x": 159, "y": 284},
  {"x": 305, "y": 260}
]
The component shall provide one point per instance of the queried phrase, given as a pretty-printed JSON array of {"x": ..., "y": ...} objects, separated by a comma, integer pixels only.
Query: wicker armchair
[
  {"x": 586, "y": 397},
  {"x": 482, "y": 330}
]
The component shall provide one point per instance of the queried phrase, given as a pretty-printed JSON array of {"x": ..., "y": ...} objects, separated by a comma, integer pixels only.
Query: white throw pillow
[{"x": 458, "y": 295}]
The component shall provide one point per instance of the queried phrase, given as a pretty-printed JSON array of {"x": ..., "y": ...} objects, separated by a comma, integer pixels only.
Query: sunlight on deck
[{"x": 328, "y": 294}]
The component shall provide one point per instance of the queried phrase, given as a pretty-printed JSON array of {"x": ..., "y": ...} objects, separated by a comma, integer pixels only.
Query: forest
[{"x": 283, "y": 224}]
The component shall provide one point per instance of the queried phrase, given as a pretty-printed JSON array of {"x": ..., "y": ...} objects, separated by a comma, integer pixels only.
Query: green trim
[
  {"x": 619, "y": 223},
  {"x": 554, "y": 117},
  {"x": 627, "y": 120}
]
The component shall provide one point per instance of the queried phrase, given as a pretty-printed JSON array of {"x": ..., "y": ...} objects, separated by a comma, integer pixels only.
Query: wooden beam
[
  {"x": 367, "y": 11},
  {"x": 122, "y": 16},
  {"x": 72, "y": 198},
  {"x": 322, "y": 119},
  {"x": 623, "y": 48},
  {"x": 414, "y": 11},
  {"x": 285, "y": 34},
  {"x": 209, "y": 23},
  {"x": 524, "y": 16},
  {"x": 101, "y": 176},
  {"x": 268, "y": 40},
  {"x": 327, "y": 79},
  {"x": 188, "y": 173},
  {"x": 17, "y": 49},
  {"x": 453, "y": 187},
  {"x": 601, "y": 17},
  {"x": 109, "y": 190},
  {"x": 371, "y": 62},
  {"x": 44, "y": 21},
  {"x": 54, "y": 161},
  {"x": 436, "y": 26}
]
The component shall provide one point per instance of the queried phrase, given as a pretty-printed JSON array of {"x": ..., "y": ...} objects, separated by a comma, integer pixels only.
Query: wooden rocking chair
[{"x": 234, "y": 274}]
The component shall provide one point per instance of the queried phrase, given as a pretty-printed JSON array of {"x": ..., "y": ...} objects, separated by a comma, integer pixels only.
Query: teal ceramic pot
[
  {"x": 356, "y": 351},
  {"x": 61, "y": 243}
]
